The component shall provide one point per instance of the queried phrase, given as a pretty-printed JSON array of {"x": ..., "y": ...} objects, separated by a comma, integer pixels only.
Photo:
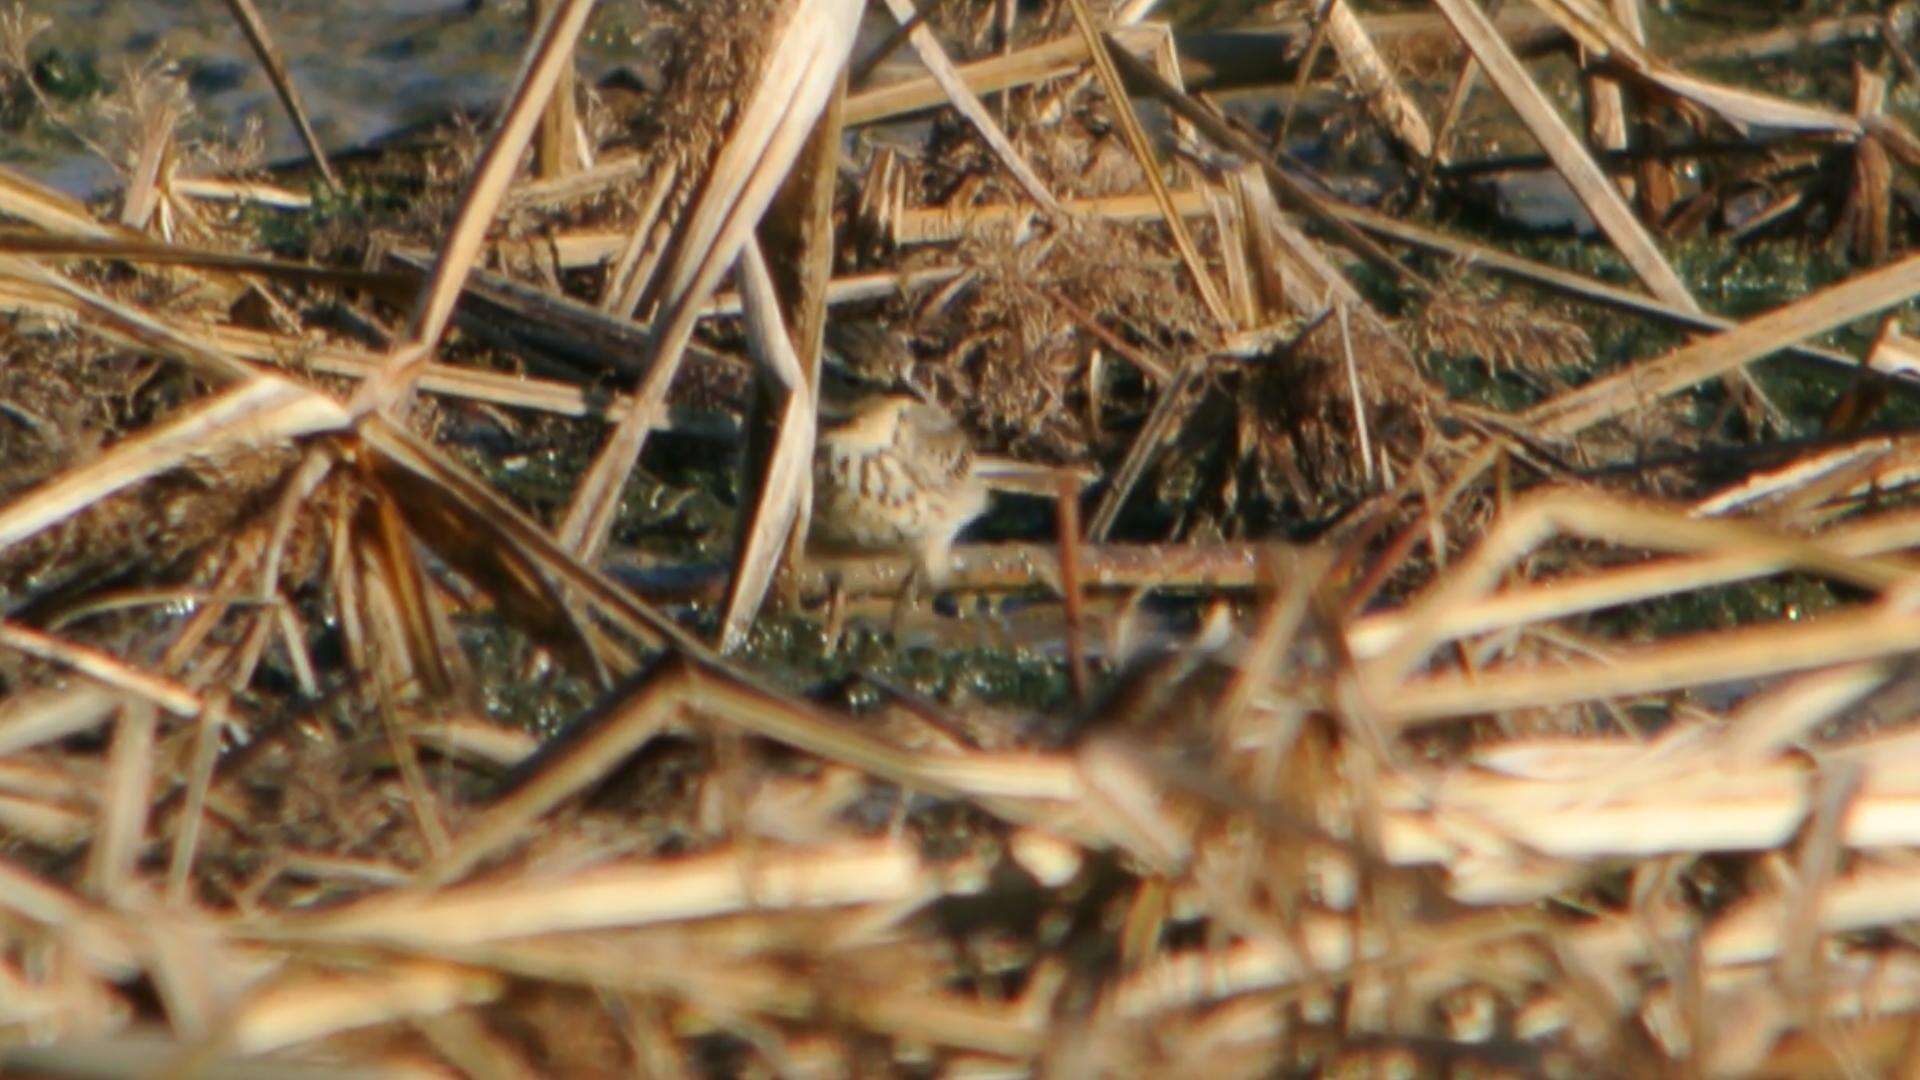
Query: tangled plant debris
[{"x": 1445, "y": 607}]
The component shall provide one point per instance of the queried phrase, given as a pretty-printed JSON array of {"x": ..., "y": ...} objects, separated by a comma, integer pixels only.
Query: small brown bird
[{"x": 897, "y": 476}]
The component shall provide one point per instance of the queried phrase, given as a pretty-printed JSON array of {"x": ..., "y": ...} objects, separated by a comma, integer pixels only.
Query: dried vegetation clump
[{"x": 1364, "y": 675}]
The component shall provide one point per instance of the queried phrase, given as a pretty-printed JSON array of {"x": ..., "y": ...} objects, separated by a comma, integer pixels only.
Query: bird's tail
[{"x": 1025, "y": 478}]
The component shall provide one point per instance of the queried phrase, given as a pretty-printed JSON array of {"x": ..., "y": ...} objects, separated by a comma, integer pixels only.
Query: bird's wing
[{"x": 934, "y": 448}]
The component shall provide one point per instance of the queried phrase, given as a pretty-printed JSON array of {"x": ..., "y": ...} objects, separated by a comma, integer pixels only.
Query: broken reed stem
[
  {"x": 1122, "y": 104},
  {"x": 186, "y": 839},
  {"x": 976, "y": 568},
  {"x": 1067, "y": 521},
  {"x": 258, "y": 36}
]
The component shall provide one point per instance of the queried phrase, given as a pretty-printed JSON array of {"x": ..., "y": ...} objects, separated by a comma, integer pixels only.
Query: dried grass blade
[
  {"x": 550, "y": 54},
  {"x": 186, "y": 840},
  {"x": 139, "y": 249},
  {"x": 102, "y": 667},
  {"x": 123, "y": 812},
  {"x": 632, "y": 270},
  {"x": 632, "y": 893},
  {"x": 1780, "y": 328},
  {"x": 970, "y": 106},
  {"x": 261, "y": 410},
  {"x": 1589, "y": 182},
  {"x": 52, "y": 210},
  {"x": 248, "y": 16},
  {"x": 307, "y": 1008},
  {"x": 30, "y": 718},
  {"x": 104, "y": 315},
  {"x": 1034, "y": 63},
  {"x": 799, "y": 78}
]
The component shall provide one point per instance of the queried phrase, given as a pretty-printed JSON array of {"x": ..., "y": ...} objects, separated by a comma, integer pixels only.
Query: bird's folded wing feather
[{"x": 936, "y": 451}]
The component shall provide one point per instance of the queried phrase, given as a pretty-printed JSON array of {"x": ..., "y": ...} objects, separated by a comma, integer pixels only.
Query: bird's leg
[
  {"x": 903, "y": 604},
  {"x": 932, "y": 569},
  {"x": 836, "y": 625}
]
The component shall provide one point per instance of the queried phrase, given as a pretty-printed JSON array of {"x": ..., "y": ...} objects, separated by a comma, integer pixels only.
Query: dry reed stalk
[
  {"x": 117, "y": 842},
  {"x": 1543, "y": 516},
  {"x": 263, "y": 410},
  {"x": 593, "y": 181},
  {"x": 1575, "y": 285},
  {"x": 547, "y": 57},
  {"x": 1298, "y": 195},
  {"x": 977, "y": 568},
  {"x": 1629, "y": 671},
  {"x": 1607, "y": 41},
  {"x": 1392, "y": 107},
  {"x": 37, "y": 717},
  {"x": 1122, "y": 105},
  {"x": 631, "y": 894},
  {"x": 969, "y": 105},
  {"x": 1833, "y": 30},
  {"x": 214, "y": 189},
  {"x": 298, "y": 1009},
  {"x": 785, "y": 495},
  {"x": 559, "y": 147},
  {"x": 1648, "y": 380},
  {"x": 248, "y": 16},
  {"x": 1589, "y": 183},
  {"x": 799, "y": 78},
  {"x": 632, "y": 271},
  {"x": 1022, "y": 67},
  {"x": 108, "y": 670},
  {"x": 51, "y": 210},
  {"x": 1234, "y": 255},
  {"x": 499, "y": 388},
  {"x": 801, "y": 225},
  {"x": 1521, "y": 603},
  {"x": 1816, "y": 481},
  {"x": 142, "y": 250}
]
